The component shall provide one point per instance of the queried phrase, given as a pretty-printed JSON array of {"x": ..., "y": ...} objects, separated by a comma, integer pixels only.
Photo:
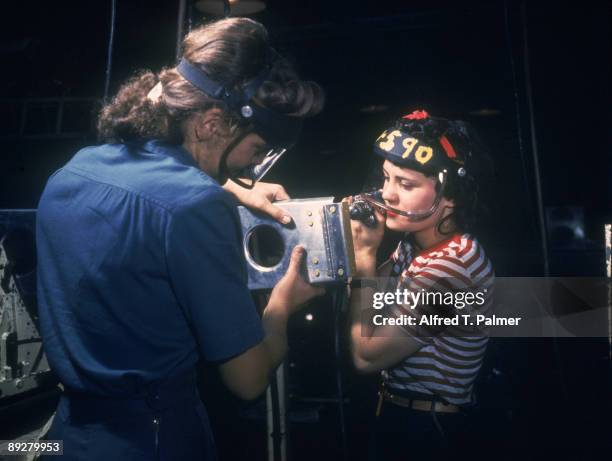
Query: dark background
[{"x": 533, "y": 77}]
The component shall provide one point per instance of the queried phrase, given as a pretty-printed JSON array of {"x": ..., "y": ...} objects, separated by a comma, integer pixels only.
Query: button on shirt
[{"x": 140, "y": 269}]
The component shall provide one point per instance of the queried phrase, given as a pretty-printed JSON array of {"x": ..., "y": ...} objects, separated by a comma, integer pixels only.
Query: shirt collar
[
  {"x": 157, "y": 146},
  {"x": 438, "y": 246}
]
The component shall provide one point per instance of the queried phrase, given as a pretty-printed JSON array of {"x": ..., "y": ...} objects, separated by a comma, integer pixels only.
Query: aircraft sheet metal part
[{"x": 320, "y": 225}]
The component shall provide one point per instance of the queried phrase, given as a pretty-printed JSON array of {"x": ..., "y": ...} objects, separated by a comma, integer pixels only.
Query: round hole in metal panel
[{"x": 264, "y": 247}]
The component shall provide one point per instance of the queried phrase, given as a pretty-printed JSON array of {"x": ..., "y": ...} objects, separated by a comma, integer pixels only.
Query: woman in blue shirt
[{"x": 140, "y": 268}]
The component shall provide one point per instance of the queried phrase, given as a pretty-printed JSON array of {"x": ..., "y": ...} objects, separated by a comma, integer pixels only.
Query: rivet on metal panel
[
  {"x": 309, "y": 213},
  {"x": 315, "y": 260},
  {"x": 340, "y": 272},
  {"x": 332, "y": 209},
  {"x": 317, "y": 273},
  {"x": 310, "y": 223}
]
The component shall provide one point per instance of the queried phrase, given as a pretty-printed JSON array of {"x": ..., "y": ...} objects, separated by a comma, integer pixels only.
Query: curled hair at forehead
[
  {"x": 286, "y": 94},
  {"x": 230, "y": 51}
]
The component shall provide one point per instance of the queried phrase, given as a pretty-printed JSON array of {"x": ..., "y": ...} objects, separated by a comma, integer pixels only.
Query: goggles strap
[
  {"x": 224, "y": 173},
  {"x": 201, "y": 81},
  {"x": 234, "y": 98}
]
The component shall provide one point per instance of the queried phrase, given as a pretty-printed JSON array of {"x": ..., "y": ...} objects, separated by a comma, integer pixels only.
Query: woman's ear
[
  {"x": 210, "y": 124},
  {"x": 447, "y": 203}
]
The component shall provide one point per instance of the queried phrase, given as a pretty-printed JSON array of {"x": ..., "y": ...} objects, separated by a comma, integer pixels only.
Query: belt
[{"x": 415, "y": 404}]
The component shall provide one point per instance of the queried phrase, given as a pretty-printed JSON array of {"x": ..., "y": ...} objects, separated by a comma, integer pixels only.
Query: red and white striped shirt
[{"x": 448, "y": 363}]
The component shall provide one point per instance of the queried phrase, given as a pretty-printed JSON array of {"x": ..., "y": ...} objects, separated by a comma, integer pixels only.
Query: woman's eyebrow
[{"x": 403, "y": 178}]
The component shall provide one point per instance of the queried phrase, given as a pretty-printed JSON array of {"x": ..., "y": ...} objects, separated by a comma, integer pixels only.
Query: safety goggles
[
  {"x": 248, "y": 177},
  {"x": 276, "y": 128}
]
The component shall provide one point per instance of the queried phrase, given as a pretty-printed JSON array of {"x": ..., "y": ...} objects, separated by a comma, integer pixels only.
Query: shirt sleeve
[
  {"x": 208, "y": 275},
  {"x": 429, "y": 294}
]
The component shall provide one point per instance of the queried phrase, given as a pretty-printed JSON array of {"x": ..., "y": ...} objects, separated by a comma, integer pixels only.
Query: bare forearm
[
  {"x": 248, "y": 374},
  {"x": 274, "y": 321},
  {"x": 376, "y": 348},
  {"x": 366, "y": 269},
  {"x": 361, "y": 315},
  {"x": 360, "y": 326}
]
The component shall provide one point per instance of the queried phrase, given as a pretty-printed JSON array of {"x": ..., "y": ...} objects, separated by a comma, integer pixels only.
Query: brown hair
[{"x": 231, "y": 51}]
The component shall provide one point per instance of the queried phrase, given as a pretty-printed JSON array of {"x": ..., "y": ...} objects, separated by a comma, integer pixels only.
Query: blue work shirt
[{"x": 140, "y": 269}]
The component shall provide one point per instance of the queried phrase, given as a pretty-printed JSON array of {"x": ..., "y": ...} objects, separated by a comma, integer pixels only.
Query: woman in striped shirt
[{"x": 421, "y": 332}]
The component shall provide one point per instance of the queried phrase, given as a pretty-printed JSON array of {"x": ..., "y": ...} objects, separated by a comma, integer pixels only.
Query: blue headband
[{"x": 277, "y": 129}]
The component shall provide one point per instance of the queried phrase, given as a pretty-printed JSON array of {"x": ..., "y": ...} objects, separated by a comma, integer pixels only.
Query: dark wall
[
  {"x": 454, "y": 60},
  {"x": 540, "y": 73}
]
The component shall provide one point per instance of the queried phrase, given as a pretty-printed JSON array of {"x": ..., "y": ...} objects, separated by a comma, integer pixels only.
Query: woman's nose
[{"x": 388, "y": 193}]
